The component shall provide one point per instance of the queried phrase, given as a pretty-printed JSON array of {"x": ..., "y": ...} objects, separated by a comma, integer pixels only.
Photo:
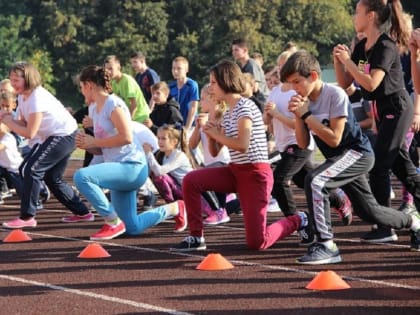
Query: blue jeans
[{"x": 123, "y": 180}]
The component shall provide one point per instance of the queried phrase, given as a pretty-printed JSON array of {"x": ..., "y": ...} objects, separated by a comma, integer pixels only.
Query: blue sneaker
[{"x": 318, "y": 254}]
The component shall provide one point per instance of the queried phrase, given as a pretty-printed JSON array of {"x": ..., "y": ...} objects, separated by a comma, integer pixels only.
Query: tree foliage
[{"x": 62, "y": 36}]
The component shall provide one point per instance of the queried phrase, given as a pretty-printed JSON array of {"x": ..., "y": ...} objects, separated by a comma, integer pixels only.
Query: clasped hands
[
  {"x": 298, "y": 105},
  {"x": 84, "y": 141}
]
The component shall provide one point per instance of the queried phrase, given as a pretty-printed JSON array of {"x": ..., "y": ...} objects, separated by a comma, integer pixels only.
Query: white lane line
[
  {"x": 103, "y": 297},
  {"x": 240, "y": 262}
]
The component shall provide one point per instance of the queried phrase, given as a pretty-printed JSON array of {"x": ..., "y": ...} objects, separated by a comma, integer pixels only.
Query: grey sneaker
[
  {"x": 189, "y": 244},
  {"x": 318, "y": 254}
]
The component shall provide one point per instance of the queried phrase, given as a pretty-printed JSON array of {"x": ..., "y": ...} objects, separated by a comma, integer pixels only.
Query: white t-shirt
[
  {"x": 10, "y": 157},
  {"x": 283, "y": 134},
  {"x": 176, "y": 164},
  {"x": 209, "y": 159},
  {"x": 56, "y": 120},
  {"x": 144, "y": 135}
]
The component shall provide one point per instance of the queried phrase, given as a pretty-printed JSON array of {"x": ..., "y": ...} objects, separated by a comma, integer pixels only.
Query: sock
[
  {"x": 172, "y": 209},
  {"x": 328, "y": 244},
  {"x": 114, "y": 222},
  {"x": 303, "y": 219},
  {"x": 199, "y": 239},
  {"x": 415, "y": 223}
]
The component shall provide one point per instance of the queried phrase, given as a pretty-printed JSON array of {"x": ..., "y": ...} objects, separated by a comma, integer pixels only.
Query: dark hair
[
  {"x": 301, "y": 62},
  {"x": 138, "y": 55},
  {"x": 389, "y": 19},
  {"x": 97, "y": 75},
  {"x": 241, "y": 42},
  {"x": 229, "y": 77},
  {"x": 28, "y": 72},
  {"x": 113, "y": 58}
]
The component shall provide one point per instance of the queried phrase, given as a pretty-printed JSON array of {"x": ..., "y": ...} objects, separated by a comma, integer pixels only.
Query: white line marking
[
  {"x": 242, "y": 262},
  {"x": 95, "y": 295}
]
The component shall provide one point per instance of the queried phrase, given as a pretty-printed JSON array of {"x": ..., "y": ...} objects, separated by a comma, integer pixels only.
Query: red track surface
[{"x": 45, "y": 276}]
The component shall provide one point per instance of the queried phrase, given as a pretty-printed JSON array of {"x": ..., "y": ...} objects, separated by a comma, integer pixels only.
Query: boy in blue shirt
[{"x": 184, "y": 90}]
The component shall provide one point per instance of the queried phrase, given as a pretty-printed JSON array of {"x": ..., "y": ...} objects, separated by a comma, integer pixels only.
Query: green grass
[{"x": 78, "y": 154}]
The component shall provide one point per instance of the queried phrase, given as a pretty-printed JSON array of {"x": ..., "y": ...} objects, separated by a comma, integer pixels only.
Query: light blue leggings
[{"x": 123, "y": 180}]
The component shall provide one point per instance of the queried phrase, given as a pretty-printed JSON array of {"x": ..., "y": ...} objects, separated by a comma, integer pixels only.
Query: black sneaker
[
  {"x": 44, "y": 194},
  {"x": 415, "y": 241},
  {"x": 380, "y": 235},
  {"x": 39, "y": 205},
  {"x": 318, "y": 254},
  {"x": 307, "y": 236},
  {"x": 149, "y": 201},
  {"x": 189, "y": 244}
]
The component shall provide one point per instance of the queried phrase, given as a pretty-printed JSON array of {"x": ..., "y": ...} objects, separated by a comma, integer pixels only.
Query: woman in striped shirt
[{"x": 249, "y": 173}]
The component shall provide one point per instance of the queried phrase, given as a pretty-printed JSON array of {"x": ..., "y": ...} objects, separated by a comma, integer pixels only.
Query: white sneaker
[{"x": 273, "y": 206}]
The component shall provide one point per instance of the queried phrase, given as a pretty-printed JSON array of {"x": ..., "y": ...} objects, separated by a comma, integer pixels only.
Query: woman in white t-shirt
[{"x": 41, "y": 116}]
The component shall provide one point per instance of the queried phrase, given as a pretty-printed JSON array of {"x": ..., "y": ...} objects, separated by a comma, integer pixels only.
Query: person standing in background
[
  {"x": 145, "y": 76},
  {"x": 127, "y": 88}
]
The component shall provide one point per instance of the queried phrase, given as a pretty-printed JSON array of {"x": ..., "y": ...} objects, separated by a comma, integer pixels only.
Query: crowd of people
[{"x": 233, "y": 149}]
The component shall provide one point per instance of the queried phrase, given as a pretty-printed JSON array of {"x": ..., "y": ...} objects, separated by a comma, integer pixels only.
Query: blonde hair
[
  {"x": 176, "y": 132},
  {"x": 182, "y": 60},
  {"x": 284, "y": 56},
  {"x": 29, "y": 73},
  {"x": 248, "y": 78},
  {"x": 220, "y": 108}
]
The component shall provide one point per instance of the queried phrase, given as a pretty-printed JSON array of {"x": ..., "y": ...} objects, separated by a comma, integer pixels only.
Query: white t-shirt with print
[{"x": 56, "y": 120}]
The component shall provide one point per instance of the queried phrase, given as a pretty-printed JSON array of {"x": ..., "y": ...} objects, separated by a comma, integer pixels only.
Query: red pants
[{"x": 252, "y": 183}]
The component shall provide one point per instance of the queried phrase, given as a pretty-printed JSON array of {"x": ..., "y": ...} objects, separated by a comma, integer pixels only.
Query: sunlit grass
[{"x": 78, "y": 154}]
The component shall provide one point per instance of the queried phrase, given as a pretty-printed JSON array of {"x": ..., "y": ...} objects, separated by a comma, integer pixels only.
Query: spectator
[
  {"x": 145, "y": 76},
  {"x": 127, "y": 88}
]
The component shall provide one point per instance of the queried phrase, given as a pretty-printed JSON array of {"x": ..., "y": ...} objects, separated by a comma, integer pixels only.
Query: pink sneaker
[
  {"x": 181, "y": 219},
  {"x": 19, "y": 223},
  {"x": 217, "y": 217},
  {"x": 109, "y": 232},
  {"x": 79, "y": 218},
  {"x": 206, "y": 210},
  {"x": 345, "y": 212}
]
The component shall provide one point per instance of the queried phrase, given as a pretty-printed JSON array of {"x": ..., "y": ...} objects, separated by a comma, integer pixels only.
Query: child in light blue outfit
[{"x": 124, "y": 168}]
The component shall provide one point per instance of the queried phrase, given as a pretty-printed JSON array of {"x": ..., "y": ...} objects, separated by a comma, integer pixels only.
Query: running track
[{"x": 142, "y": 276}]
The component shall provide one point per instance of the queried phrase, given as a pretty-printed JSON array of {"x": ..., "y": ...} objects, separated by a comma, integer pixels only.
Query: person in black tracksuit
[{"x": 375, "y": 65}]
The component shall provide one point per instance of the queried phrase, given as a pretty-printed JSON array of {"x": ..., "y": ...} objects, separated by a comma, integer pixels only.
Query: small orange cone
[
  {"x": 17, "y": 236},
  {"x": 327, "y": 280},
  {"x": 214, "y": 262},
  {"x": 94, "y": 250}
]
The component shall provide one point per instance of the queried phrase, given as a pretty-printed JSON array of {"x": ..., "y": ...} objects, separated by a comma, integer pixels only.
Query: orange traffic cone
[
  {"x": 94, "y": 250},
  {"x": 214, "y": 262},
  {"x": 17, "y": 236},
  {"x": 327, "y": 280}
]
